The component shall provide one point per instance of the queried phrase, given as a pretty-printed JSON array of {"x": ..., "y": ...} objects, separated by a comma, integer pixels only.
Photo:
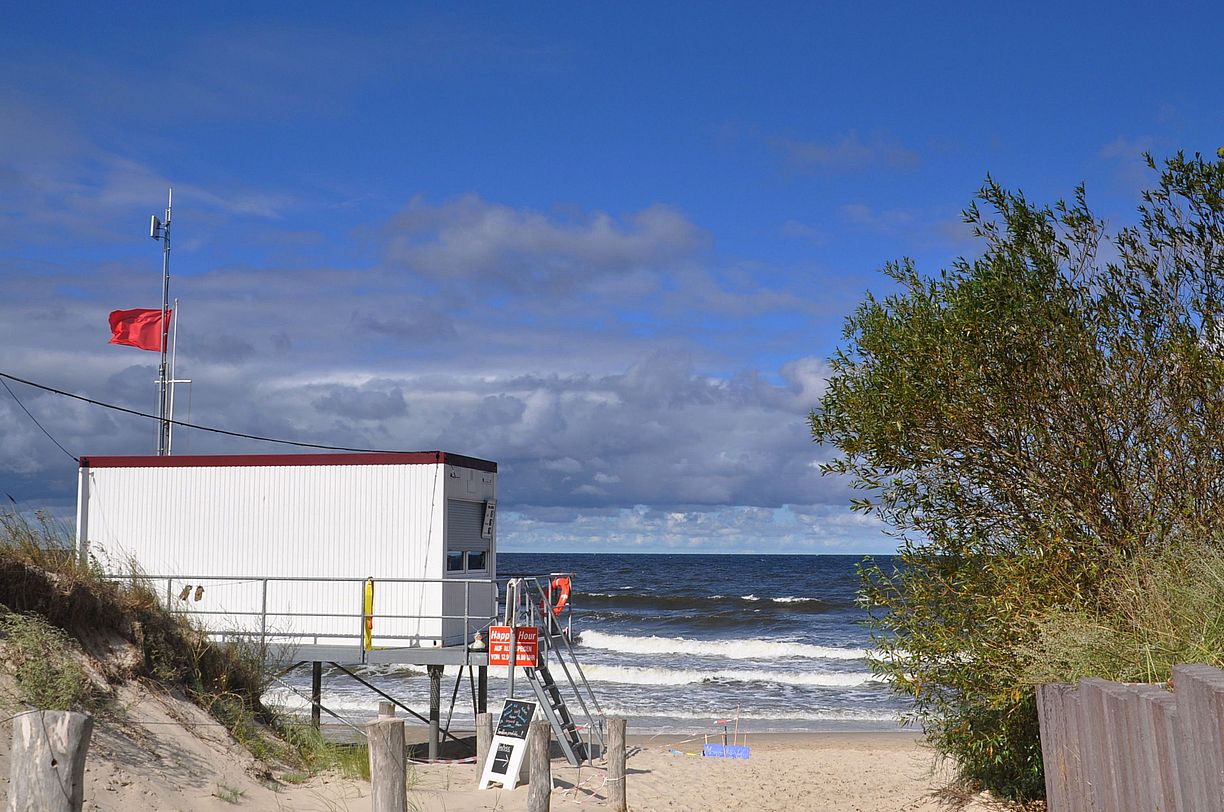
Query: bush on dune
[{"x": 1040, "y": 428}]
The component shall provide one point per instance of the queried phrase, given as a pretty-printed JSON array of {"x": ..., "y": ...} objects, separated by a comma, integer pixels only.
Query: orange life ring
[{"x": 561, "y": 585}]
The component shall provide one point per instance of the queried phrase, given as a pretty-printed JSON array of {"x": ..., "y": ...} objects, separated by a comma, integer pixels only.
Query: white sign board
[
  {"x": 504, "y": 763},
  {"x": 490, "y": 518}
]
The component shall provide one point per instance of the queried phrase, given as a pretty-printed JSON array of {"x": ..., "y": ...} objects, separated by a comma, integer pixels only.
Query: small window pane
[
  {"x": 476, "y": 560},
  {"x": 454, "y": 562}
]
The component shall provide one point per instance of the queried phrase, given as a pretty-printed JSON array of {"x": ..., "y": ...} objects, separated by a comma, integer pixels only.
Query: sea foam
[
  {"x": 629, "y": 675},
  {"x": 732, "y": 649}
]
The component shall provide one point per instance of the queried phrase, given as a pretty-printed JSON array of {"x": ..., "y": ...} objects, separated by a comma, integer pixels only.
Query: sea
[{"x": 683, "y": 644}]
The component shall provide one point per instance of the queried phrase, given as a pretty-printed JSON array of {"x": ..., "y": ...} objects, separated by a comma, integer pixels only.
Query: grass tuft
[{"x": 45, "y": 664}]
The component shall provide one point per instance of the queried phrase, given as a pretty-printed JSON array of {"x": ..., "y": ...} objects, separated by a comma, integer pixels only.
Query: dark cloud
[{"x": 362, "y": 403}]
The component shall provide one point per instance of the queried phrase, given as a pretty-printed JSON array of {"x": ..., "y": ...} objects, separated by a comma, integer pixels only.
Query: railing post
[{"x": 263, "y": 617}]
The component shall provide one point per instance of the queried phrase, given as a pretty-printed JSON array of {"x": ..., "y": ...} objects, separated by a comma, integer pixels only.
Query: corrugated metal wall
[{"x": 244, "y": 522}]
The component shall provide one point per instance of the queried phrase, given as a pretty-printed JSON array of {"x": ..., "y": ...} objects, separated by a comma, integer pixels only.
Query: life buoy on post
[{"x": 561, "y": 586}]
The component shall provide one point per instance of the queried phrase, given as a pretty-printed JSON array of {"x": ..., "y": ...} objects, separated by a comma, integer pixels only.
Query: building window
[{"x": 467, "y": 551}]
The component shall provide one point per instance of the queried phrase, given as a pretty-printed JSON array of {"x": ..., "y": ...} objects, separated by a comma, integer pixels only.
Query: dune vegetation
[{"x": 1040, "y": 426}]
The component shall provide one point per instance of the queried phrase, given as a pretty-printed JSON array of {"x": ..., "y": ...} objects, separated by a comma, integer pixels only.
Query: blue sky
[{"x": 608, "y": 246}]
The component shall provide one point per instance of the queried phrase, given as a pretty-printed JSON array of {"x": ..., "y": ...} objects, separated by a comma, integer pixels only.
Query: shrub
[{"x": 1027, "y": 424}]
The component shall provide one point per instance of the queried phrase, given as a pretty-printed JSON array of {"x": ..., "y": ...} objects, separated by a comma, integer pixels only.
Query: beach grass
[{"x": 58, "y": 610}]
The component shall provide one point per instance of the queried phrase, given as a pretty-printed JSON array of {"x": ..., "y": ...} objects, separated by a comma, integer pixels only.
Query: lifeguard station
[{"x": 345, "y": 559}]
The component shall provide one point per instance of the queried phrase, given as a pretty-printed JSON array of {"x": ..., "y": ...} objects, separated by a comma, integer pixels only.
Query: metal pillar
[
  {"x": 435, "y": 709},
  {"x": 316, "y": 692}
]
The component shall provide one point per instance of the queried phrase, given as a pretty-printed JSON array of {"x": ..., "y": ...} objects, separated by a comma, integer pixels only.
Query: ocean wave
[
  {"x": 701, "y": 603},
  {"x": 830, "y": 715},
  {"x": 743, "y": 649},
  {"x": 628, "y": 675}
]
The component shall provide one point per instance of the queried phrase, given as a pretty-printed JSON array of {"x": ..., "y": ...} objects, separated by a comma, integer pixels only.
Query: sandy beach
[
  {"x": 167, "y": 754},
  {"x": 850, "y": 772}
]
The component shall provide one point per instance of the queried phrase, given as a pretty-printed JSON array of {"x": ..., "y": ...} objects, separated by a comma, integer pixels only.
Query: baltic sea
[{"x": 676, "y": 642}]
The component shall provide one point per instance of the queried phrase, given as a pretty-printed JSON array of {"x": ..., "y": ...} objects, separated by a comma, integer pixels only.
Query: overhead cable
[
  {"x": 35, "y": 419},
  {"x": 211, "y": 429}
]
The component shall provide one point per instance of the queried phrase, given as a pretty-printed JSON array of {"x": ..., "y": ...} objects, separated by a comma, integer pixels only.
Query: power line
[
  {"x": 35, "y": 419},
  {"x": 124, "y": 410}
]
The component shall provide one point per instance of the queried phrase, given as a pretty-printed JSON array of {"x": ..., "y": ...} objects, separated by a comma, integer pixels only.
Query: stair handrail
[{"x": 545, "y": 623}]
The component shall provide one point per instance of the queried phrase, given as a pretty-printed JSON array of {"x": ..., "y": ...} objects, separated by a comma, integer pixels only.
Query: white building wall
[{"x": 226, "y": 527}]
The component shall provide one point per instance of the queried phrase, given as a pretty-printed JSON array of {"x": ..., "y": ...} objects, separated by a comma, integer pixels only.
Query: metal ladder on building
[
  {"x": 557, "y": 714},
  {"x": 527, "y": 600}
]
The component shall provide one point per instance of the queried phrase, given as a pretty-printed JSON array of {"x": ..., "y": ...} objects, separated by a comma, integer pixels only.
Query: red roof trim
[{"x": 246, "y": 460}]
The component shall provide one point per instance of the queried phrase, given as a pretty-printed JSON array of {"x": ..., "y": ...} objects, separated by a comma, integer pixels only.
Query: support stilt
[
  {"x": 482, "y": 689},
  {"x": 316, "y": 692},
  {"x": 435, "y": 709}
]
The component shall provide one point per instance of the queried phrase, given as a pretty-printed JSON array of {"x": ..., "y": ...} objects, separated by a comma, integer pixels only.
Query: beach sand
[
  {"x": 848, "y": 772},
  {"x": 165, "y": 754}
]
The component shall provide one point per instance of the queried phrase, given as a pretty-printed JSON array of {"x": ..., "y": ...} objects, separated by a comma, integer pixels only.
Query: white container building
[{"x": 324, "y": 552}]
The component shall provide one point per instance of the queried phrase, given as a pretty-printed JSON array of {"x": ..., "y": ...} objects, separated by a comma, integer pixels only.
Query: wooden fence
[{"x": 1109, "y": 747}]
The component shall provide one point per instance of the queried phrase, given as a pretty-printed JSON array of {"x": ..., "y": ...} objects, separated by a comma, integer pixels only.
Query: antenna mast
[{"x": 163, "y": 389}]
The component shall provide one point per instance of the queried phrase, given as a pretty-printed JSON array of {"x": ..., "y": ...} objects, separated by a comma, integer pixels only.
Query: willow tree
[{"x": 1023, "y": 422}]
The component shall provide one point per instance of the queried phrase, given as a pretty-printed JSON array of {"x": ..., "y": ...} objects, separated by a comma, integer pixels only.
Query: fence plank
[
  {"x": 1158, "y": 715},
  {"x": 1104, "y": 760},
  {"x": 1200, "y": 700},
  {"x": 1061, "y": 763}
]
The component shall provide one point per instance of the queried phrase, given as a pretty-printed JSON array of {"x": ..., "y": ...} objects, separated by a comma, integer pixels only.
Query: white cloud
[
  {"x": 469, "y": 238},
  {"x": 847, "y": 153}
]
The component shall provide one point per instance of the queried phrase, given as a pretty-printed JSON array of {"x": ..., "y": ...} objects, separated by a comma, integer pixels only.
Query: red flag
[{"x": 138, "y": 328}]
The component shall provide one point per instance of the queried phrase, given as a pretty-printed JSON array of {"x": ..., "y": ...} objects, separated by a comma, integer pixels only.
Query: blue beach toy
[{"x": 725, "y": 750}]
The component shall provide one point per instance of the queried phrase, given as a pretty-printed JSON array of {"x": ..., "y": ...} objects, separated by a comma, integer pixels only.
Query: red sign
[{"x": 526, "y": 650}]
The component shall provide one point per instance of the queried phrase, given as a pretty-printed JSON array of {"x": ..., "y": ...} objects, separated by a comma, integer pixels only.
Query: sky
[{"x": 608, "y": 246}]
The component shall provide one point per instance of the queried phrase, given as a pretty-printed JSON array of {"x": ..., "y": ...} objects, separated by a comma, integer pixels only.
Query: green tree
[{"x": 1024, "y": 423}]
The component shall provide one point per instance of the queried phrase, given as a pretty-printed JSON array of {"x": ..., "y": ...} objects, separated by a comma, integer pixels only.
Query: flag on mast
[{"x": 138, "y": 328}]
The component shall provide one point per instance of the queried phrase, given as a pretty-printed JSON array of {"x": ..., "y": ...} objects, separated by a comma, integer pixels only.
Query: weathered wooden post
[
  {"x": 616, "y": 765},
  {"x": 388, "y": 782},
  {"x": 47, "y": 761},
  {"x": 484, "y": 738},
  {"x": 539, "y": 793}
]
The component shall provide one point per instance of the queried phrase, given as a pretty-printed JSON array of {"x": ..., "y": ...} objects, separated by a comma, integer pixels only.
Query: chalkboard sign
[
  {"x": 505, "y": 760},
  {"x": 501, "y": 758},
  {"x": 515, "y": 719}
]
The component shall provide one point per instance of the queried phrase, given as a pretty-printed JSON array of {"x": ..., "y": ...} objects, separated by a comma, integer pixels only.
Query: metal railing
[{"x": 273, "y": 609}]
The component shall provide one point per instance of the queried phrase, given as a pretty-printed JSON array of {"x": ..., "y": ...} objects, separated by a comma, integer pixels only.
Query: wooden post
[
  {"x": 616, "y": 765},
  {"x": 435, "y": 709},
  {"x": 388, "y": 781},
  {"x": 47, "y": 761},
  {"x": 539, "y": 795},
  {"x": 316, "y": 692},
  {"x": 484, "y": 739}
]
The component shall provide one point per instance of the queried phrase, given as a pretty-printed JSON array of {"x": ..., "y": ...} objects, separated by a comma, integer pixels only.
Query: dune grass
[{"x": 56, "y": 609}]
